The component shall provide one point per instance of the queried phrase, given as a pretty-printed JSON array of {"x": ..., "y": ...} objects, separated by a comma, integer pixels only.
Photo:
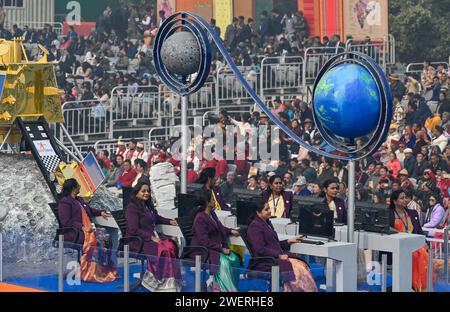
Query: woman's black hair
[
  {"x": 141, "y": 163},
  {"x": 203, "y": 198},
  {"x": 207, "y": 173},
  {"x": 259, "y": 204},
  {"x": 326, "y": 184},
  {"x": 136, "y": 190},
  {"x": 394, "y": 197},
  {"x": 273, "y": 178},
  {"x": 68, "y": 186}
]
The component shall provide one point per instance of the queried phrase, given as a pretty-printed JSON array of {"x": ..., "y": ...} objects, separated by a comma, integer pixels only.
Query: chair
[
  {"x": 186, "y": 224},
  {"x": 119, "y": 217},
  {"x": 254, "y": 260},
  {"x": 64, "y": 230}
]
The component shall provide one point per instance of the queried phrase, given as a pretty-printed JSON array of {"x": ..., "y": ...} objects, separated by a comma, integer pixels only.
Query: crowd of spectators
[{"x": 118, "y": 52}]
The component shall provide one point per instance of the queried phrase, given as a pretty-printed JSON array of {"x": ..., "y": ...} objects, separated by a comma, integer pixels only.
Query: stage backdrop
[{"x": 366, "y": 18}]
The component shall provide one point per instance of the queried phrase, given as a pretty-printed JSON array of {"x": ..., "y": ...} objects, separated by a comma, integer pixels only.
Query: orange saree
[
  {"x": 92, "y": 268},
  {"x": 420, "y": 258}
]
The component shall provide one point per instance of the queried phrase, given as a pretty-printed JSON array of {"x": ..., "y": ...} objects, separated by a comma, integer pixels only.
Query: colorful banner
[
  {"x": 366, "y": 18},
  {"x": 223, "y": 13}
]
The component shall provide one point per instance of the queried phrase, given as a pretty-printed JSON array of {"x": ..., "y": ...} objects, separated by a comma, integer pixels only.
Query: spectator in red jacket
[
  {"x": 192, "y": 176},
  {"x": 128, "y": 175},
  {"x": 222, "y": 168}
]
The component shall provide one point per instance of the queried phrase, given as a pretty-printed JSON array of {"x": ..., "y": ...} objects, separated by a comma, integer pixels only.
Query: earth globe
[{"x": 347, "y": 101}]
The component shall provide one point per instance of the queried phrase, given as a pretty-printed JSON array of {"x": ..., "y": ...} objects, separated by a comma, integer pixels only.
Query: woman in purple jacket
[
  {"x": 209, "y": 232},
  {"x": 279, "y": 200},
  {"x": 208, "y": 179},
  {"x": 264, "y": 242},
  {"x": 163, "y": 272},
  {"x": 330, "y": 191}
]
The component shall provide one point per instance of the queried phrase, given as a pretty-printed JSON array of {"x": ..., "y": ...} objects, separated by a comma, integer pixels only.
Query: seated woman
[
  {"x": 264, "y": 242},
  {"x": 208, "y": 179},
  {"x": 163, "y": 273},
  {"x": 74, "y": 212},
  {"x": 436, "y": 216},
  {"x": 405, "y": 220},
  {"x": 209, "y": 232},
  {"x": 329, "y": 193},
  {"x": 279, "y": 200}
]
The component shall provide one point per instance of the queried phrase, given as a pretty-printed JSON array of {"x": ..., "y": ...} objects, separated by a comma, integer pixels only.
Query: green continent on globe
[{"x": 346, "y": 95}]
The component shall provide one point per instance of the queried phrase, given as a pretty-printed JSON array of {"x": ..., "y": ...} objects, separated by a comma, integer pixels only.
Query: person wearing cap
[
  {"x": 400, "y": 153},
  {"x": 131, "y": 150},
  {"x": 397, "y": 87},
  {"x": 300, "y": 187},
  {"x": 405, "y": 182},
  {"x": 122, "y": 149},
  {"x": 409, "y": 162},
  {"x": 140, "y": 153},
  {"x": 393, "y": 136},
  {"x": 152, "y": 158},
  {"x": 192, "y": 158}
]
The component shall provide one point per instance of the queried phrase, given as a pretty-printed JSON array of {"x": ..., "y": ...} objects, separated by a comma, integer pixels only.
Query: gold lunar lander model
[{"x": 29, "y": 100}]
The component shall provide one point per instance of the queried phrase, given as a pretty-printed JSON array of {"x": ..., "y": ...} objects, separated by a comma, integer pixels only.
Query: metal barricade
[
  {"x": 158, "y": 134},
  {"x": 87, "y": 118},
  {"x": 281, "y": 75},
  {"x": 135, "y": 104},
  {"x": 392, "y": 50},
  {"x": 315, "y": 58},
  {"x": 440, "y": 248},
  {"x": 417, "y": 68},
  {"x": 57, "y": 27},
  {"x": 229, "y": 90},
  {"x": 375, "y": 48}
]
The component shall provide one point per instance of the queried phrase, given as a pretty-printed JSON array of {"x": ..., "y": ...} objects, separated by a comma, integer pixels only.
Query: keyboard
[{"x": 312, "y": 242}]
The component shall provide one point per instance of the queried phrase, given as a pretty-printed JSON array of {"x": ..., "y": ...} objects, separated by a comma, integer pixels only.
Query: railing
[
  {"x": 281, "y": 75},
  {"x": 315, "y": 58},
  {"x": 85, "y": 118},
  {"x": 376, "y": 49},
  {"x": 135, "y": 104},
  {"x": 57, "y": 27},
  {"x": 230, "y": 92},
  {"x": 158, "y": 134},
  {"x": 440, "y": 247},
  {"x": 417, "y": 68},
  {"x": 392, "y": 50}
]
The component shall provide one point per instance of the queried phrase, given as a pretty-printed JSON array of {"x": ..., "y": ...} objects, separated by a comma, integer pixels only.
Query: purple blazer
[
  {"x": 288, "y": 198},
  {"x": 141, "y": 222},
  {"x": 264, "y": 242},
  {"x": 414, "y": 219},
  {"x": 341, "y": 210},
  {"x": 69, "y": 213},
  {"x": 209, "y": 232}
]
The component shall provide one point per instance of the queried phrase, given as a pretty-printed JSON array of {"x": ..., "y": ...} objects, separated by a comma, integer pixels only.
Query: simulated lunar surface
[
  {"x": 27, "y": 224},
  {"x": 181, "y": 53}
]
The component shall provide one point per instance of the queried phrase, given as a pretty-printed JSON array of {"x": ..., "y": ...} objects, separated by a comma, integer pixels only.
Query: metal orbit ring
[
  {"x": 378, "y": 135},
  {"x": 173, "y": 24},
  {"x": 187, "y": 21}
]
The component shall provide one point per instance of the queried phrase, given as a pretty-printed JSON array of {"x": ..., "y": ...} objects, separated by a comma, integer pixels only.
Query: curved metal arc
[{"x": 255, "y": 97}]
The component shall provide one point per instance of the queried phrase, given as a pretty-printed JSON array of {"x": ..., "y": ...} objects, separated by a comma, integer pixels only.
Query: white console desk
[{"x": 401, "y": 246}]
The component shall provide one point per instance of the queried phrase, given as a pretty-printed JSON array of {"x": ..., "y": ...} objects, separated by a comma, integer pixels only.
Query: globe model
[
  {"x": 347, "y": 101},
  {"x": 180, "y": 54}
]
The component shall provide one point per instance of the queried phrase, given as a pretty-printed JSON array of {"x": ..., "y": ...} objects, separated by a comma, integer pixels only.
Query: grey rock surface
[
  {"x": 181, "y": 54},
  {"x": 163, "y": 180}
]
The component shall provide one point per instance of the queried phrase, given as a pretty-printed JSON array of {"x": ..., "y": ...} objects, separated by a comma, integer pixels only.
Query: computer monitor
[
  {"x": 372, "y": 217},
  {"x": 245, "y": 209},
  {"x": 299, "y": 201},
  {"x": 194, "y": 187},
  {"x": 245, "y": 195},
  {"x": 315, "y": 219},
  {"x": 187, "y": 205}
]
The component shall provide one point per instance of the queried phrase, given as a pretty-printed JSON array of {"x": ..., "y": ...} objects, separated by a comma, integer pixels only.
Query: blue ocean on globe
[{"x": 347, "y": 101}]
